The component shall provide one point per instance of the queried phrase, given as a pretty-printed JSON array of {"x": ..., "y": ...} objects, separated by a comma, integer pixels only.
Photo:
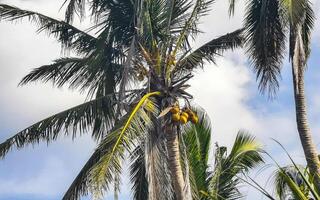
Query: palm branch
[
  {"x": 68, "y": 35},
  {"x": 76, "y": 120},
  {"x": 209, "y": 51}
]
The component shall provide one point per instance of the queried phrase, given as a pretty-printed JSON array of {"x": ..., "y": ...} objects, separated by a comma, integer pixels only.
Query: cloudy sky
[{"x": 227, "y": 91}]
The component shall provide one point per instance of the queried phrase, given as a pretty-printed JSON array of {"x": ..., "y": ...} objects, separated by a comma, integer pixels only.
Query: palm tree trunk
[
  {"x": 309, "y": 148},
  {"x": 174, "y": 162}
]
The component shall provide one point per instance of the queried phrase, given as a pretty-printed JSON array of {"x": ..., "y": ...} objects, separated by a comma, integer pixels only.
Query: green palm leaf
[
  {"x": 68, "y": 35},
  {"x": 210, "y": 50},
  {"x": 78, "y": 73},
  {"x": 197, "y": 140},
  {"x": 81, "y": 184},
  {"x": 281, "y": 181},
  {"x": 245, "y": 155},
  {"x": 266, "y": 42},
  {"x": 119, "y": 141},
  {"x": 76, "y": 120}
]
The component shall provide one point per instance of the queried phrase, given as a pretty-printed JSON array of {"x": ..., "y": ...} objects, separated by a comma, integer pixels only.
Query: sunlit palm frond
[
  {"x": 120, "y": 141},
  {"x": 81, "y": 184},
  {"x": 296, "y": 191},
  {"x": 76, "y": 120},
  {"x": 265, "y": 42},
  {"x": 245, "y": 151},
  {"x": 280, "y": 181},
  {"x": 210, "y": 50},
  {"x": 245, "y": 155},
  {"x": 68, "y": 35}
]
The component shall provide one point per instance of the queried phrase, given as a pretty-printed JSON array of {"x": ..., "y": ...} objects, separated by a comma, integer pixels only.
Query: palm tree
[
  {"x": 222, "y": 179},
  {"x": 267, "y": 22},
  {"x": 134, "y": 71}
]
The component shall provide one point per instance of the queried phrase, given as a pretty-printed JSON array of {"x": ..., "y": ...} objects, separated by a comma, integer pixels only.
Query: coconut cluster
[{"x": 184, "y": 115}]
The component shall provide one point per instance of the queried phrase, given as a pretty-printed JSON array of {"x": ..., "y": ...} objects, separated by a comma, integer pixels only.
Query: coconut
[
  {"x": 185, "y": 114},
  {"x": 176, "y": 117},
  {"x": 194, "y": 119},
  {"x": 175, "y": 110},
  {"x": 183, "y": 119}
]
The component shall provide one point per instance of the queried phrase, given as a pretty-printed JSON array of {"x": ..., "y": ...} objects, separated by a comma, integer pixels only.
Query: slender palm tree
[
  {"x": 135, "y": 71},
  {"x": 267, "y": 23},
  {"x": 222, "y": 179}
]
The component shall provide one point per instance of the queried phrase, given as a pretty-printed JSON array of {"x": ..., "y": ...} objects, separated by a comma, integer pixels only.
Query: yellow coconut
[
  {"x": 194, "y": 119},
  {"x": 176, "y": 117},
  {"x": 175, "y": 110},
  {"x": 190, "y": 112},
  {"x": 185, "y": 114},
  {"x": 183, "y": 119}
]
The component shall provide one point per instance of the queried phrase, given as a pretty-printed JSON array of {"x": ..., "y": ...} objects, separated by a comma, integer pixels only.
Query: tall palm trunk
[
  {"x": 309, "y": 148},
  {"x": 174, "y": 162}
]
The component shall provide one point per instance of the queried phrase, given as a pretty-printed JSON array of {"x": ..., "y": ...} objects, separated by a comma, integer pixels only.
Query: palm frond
[
  {"x": 307, "y": 26},
  {"x": 265, "y": 42},
  {"x": 298, "y": 15},
  {"x": 78, "y": 73},
  {"x": 120, "y": 141},
  {"x": 245, "y": 155},
  {"x": 76, "y": 120},
  {"x": 81, "y": 184},
  {"x": 309, "y": 184},
  {"x": 232, "y": 4},
  {"x": 281, "y": 182},
  {"x": 296, "y": 191},
  {"x": 138, "y": 173},
  {"x": 116, "y": 20},
  {"x": 74, "y": 7},
  {"x": 68, "y": 35},
  {"x": 210, "y": 50},
  {"x": 200, "y": 8},
  {"x": 197, "y": 140}
]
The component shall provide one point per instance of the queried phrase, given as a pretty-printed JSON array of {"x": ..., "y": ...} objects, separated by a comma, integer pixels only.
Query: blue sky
[{"x": 227, "y": 91}]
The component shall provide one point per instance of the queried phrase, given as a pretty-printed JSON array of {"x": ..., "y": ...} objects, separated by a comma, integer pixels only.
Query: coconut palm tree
[
  {"x": 222, "y": 179},
  {"x": 268, "y": 24},
  {"x": 135, "y": 71}
]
